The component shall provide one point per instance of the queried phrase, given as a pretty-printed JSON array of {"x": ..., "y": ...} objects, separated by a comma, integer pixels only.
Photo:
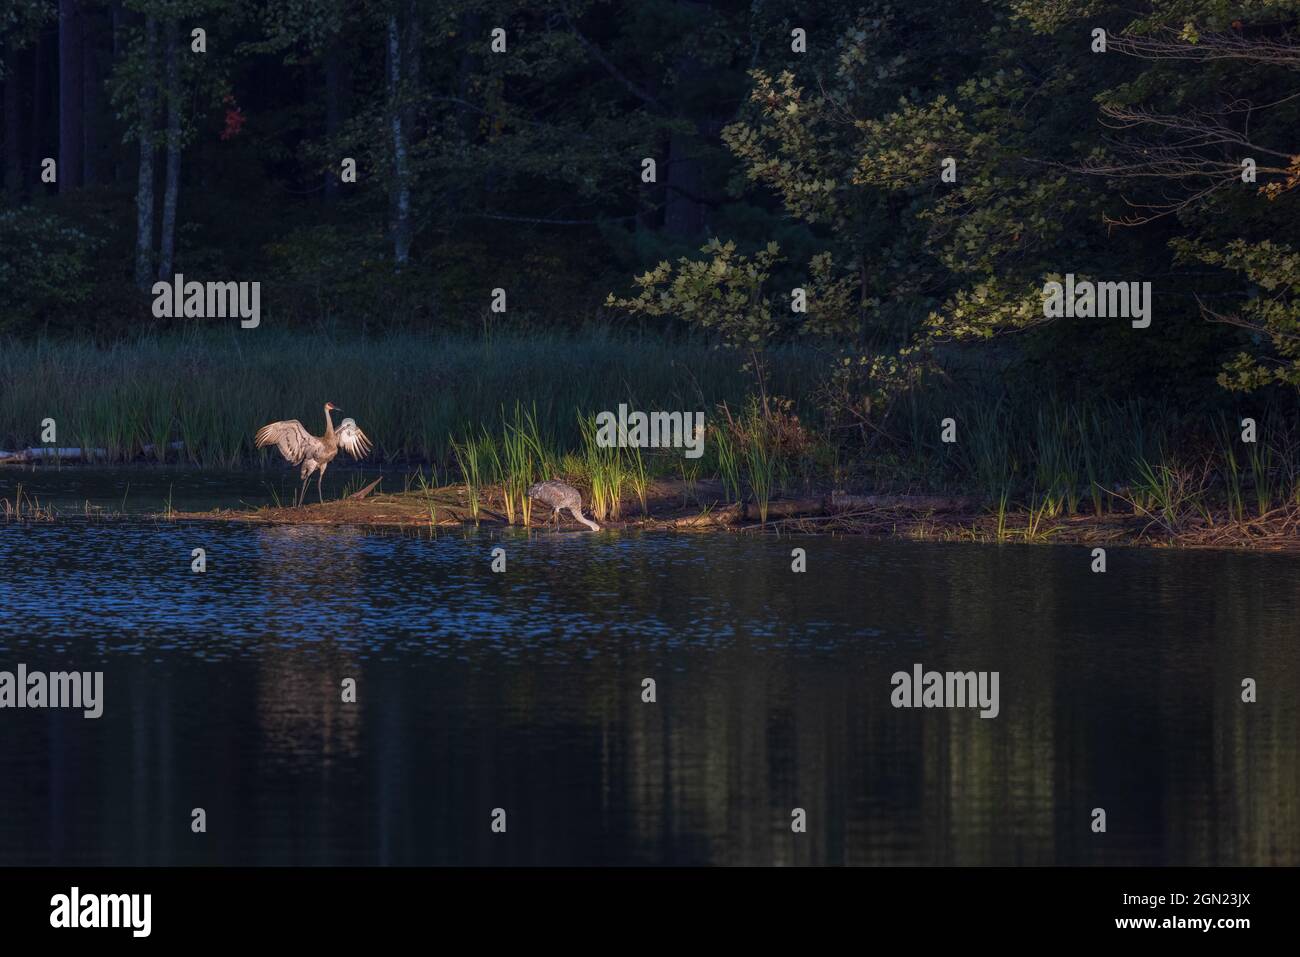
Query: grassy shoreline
[
  {"x": 412, "y": 393},
  {"x": 490, "y": 415},
  {"x": 675, "y": 506},
  {"x": 916, "y": 518}
]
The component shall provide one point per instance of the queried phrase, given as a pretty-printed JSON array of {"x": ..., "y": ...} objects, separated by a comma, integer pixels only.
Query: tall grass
[
  {"x": 506, "y": 411},
  {"x": 605, "y": 471},
  {"x": 1231, "y": 471},
  {"x": 987, "y": 444},
  {"x": 473, "y": 459},
  {"x": 1260, "y": 457},
  {"x": 763, "y": 467},
  {"x": 762, "y": 474},
  {"x": 638, "y": 477},
  {"x": 525, "y": 457},
  {"x": 728, "y": 464},
  {"x": 1168, "y": 492},
  {"x": 410, "y": 392}
]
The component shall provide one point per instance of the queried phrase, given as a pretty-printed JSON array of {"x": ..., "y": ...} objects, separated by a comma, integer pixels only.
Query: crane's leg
[
  {"x": 306, "y": 477},
  {"x": 319, "y": 482}
]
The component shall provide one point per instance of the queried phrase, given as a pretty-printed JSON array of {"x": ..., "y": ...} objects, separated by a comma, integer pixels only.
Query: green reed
[
  {"x": 472, "y": 457},
  {"x": 728, "y": 464},
  {"x": 525, "y": 457},
  {"x": 410, "y": 392},
  {"x": 605, "y": 470}
]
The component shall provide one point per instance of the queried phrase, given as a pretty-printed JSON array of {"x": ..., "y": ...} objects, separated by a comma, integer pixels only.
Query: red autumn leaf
[{"x": 234, "y": 118}]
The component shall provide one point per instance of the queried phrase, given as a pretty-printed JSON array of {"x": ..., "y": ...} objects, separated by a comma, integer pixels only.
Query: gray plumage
[
  {"x": 557, "y": 495},
  {"x": 300, "y": 447}
]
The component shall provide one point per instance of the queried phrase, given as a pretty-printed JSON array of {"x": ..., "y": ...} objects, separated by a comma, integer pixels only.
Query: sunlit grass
[
  {"x": 496, "y": 416},
  {"x": 409, "y": 392},
  {"x": 605, "y": 471}
]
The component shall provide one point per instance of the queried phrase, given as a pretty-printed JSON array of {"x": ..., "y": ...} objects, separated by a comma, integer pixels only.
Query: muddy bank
[{"x": 701, "y": 507}]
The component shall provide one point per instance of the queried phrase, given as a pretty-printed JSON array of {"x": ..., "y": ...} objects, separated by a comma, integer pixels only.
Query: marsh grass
[
  {"x": 762, "y": 467},
  {"x": 473, "y": 456},
  {"x": 24, "y": 508},
  {"x": 728, "y": 464},
  {"x": 1231, "y": 471},
  {"x": 1260, "y": 457},
  {"x": 525, "y": 457},
  {"x": 638, "y": 477},
  {"x": 410, "y": 392},
  {"x": 689, "y": 471},
  {"x": 1037, "y": 516},
  {"x": 1167, "y": 492},
  {"x": 499, "y": 413},
  {"x": 604, "y": 468}
]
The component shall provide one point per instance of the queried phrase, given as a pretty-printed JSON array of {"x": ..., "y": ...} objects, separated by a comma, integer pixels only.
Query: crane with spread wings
[{"x": 300, "y": 447}]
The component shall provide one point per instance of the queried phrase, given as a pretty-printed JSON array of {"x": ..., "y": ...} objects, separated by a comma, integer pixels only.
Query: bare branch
[
  {"x": 1169, "y": 44},
  {"x": 599, "y": 55}
]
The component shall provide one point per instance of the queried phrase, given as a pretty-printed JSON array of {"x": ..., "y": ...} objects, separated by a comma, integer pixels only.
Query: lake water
[{"x": 523, "y": 691}]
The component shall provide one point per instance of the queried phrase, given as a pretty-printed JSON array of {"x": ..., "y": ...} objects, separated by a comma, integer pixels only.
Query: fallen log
[
  {"x": 727, "y": 515},
  {"x": 45, "y": 453},
  {"x": 829, "y": 505},
  {"x": 840, "y": 501}
]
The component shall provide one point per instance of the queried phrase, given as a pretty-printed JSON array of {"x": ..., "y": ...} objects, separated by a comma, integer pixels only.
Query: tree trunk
[
  {"x": 70, "y": 93},
  {"x": 167, "y": 244},
  {"x": 13, "y": 123},
  {"x": 333, "y": 114},
  {"x": 470, "y": 26},
  {"x": 92, "y": 101},
  {"x": 144, "y": 185},
  {"x": 36, "y": 129},
  {"x": 411, "y": 71},
  {"x": 401, "y": 170},
  {"x": 118, "y": 22},
  {"x": 454, "y": 202}
]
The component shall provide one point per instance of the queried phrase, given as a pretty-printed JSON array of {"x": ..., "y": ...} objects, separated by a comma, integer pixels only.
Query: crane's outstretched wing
[
  {"x": 353, "y": 439},
  {"x": 289, "y": 437}
]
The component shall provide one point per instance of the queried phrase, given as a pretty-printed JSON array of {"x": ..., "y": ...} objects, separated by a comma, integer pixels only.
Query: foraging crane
[
  {"x": 557, "y": 495},
  {"x": 300, "y": 447}
]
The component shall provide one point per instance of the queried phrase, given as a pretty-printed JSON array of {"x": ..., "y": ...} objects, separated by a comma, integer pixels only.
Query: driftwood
[
  {"x": 357, "y": 496},
  {"x": 833, "y": 504},
  {"x": 839, "y": 501},
  {"x": 49, "y": 452},
  {"x": 72, "y": 454}
]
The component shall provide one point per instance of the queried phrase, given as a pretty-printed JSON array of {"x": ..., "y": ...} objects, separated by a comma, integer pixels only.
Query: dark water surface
[{"x": 522, "y": 691}]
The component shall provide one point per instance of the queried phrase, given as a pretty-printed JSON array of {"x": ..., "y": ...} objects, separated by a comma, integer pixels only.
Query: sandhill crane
[
  {"x": 300, "y": 447},
  {"x": 557, "y": 495}
]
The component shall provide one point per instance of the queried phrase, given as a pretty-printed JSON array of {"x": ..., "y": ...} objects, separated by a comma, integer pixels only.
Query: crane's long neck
[{"x": 329, "y": 425}]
